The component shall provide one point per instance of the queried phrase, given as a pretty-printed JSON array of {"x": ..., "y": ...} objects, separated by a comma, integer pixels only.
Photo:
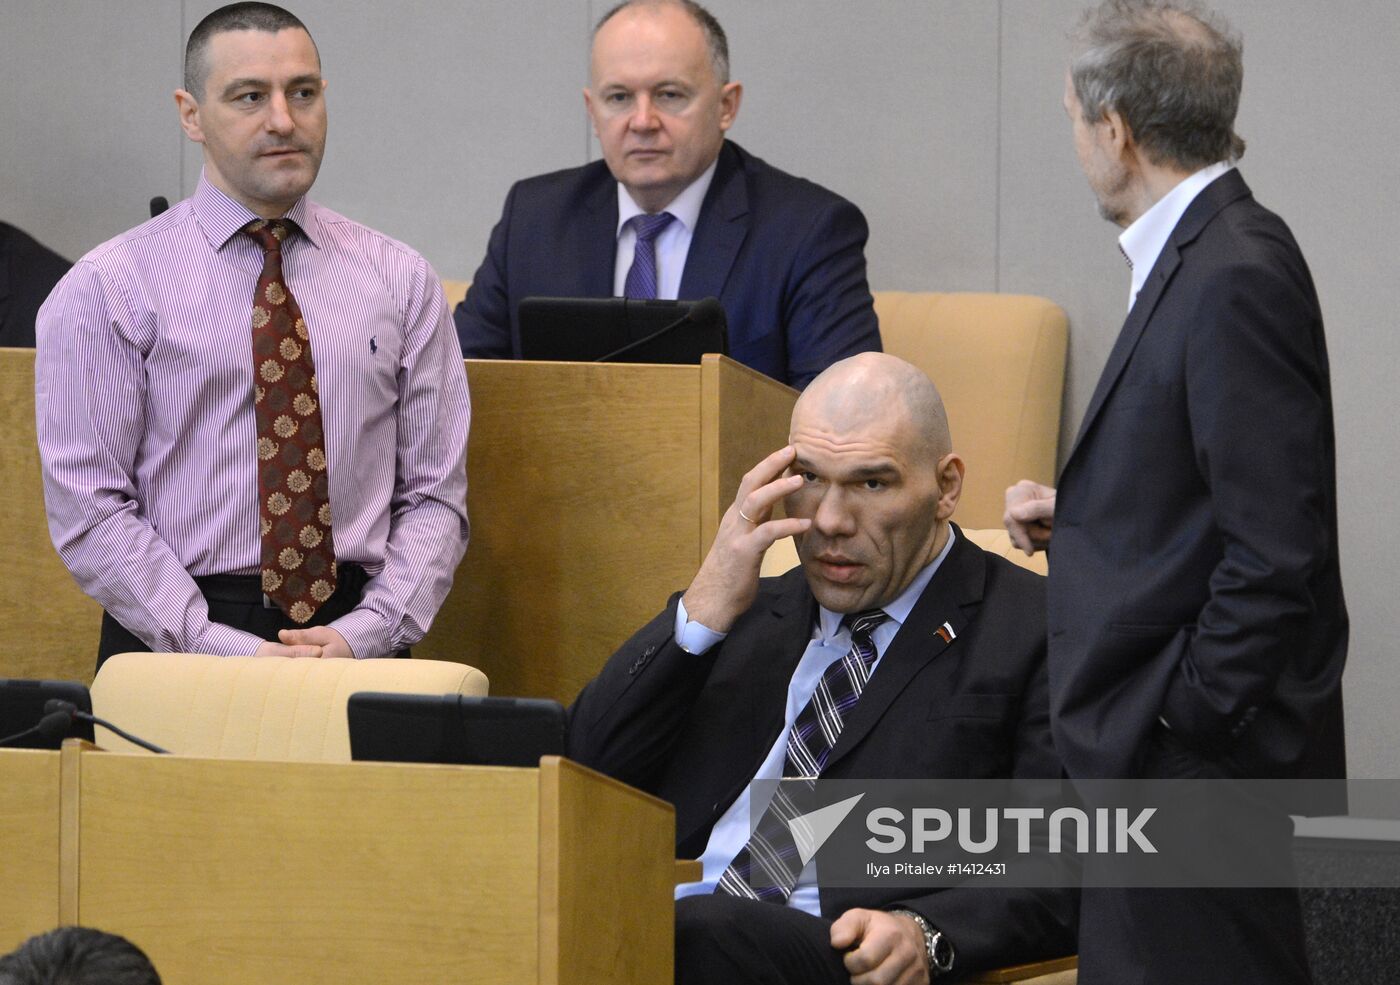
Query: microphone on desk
[
  {"x": 52, "y": 728},
  {"x": 70, "y": 711},
  {"x": 707, "y": 315},
  {"x": 158, "y": 205}
]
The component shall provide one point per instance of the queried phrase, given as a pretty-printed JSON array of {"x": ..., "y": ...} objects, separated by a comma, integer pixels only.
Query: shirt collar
[
  {"x": 899, "y": 609},
  {"x": 220, "y": 217},
  {"x": 1143, "y": 241},
  {"x": 685, "y": 207}
]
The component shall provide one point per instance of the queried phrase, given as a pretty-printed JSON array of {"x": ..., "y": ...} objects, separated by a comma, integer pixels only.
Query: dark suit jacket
[
  {"x": 1193, "y": 567},
  {"x": 28, "y": 272},
  {"x": 694, "y": 730},
  {"x": 784, "y": 256}
]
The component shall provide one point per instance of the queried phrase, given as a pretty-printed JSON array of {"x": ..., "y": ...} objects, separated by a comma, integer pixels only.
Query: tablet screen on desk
[
  {"x": 621, "y": 330},
  {"x": 454, "y": 728}
]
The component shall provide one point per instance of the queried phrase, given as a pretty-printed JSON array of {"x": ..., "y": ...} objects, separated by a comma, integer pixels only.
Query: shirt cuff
[
  {"x": 225, "y": 641},
  {"x": 691, "y": 636},
  {"x": 364, "y": 630}
]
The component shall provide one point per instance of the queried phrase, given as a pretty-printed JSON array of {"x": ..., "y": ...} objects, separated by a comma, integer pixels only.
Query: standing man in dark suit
[
  {"x": 897, "y": 650},
  {"x": 675, "y": 211},
  {"x": 1197, "y": 624},
  {"x": 28, "y": 272}
]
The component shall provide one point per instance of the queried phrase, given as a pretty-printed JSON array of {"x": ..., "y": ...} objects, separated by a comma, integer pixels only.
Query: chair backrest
[
  {"x": 255, "y": 707},
  {"x": 783, "y": 554},
  {"x": 455, "y": 291},
  {"x": 999, "y": 362}
]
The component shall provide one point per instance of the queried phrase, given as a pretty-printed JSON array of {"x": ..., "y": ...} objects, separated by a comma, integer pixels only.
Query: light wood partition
[
  {"x": 29, "y": 844},
  {"x": 594, "y": 492},
  {"x": 231, "y": 871},
  {"x": 48, "y": 627}
]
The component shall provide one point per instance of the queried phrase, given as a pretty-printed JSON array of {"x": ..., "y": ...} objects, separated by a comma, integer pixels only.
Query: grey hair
[
  {"x": 77, "y": 956},
  {"x": 715, "y": 38},
  {"x": 1173, "y": 69}
]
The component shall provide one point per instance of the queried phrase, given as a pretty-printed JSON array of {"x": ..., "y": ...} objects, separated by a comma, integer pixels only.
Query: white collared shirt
[
  {"x": 830, "y": 642},
  {"x": 1143, "y": 241},
  {"x": 673, "y": 243}
]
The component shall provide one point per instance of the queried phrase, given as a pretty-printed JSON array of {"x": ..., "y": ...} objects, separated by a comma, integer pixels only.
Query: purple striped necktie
[
  {"x": 641, "y": 278},
  {"x": 771, "y": 857}
]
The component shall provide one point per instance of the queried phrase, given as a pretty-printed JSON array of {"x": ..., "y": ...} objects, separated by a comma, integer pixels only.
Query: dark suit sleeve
[
  {"x": 828, "y": 311},
  {"x": 1260, "y": 422},
  {"x": 483, "y": 317},
  {"x": 30, "y": 271},
  {"x": 626, "y": 722},
  {"x": 991, "y": 927}
]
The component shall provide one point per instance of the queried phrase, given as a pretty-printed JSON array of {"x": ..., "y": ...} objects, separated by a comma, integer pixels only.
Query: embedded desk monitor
[
  {"x": 22, "y": 708},
  {"x": 454, "y": 728},
  {"x": 621, "y": 330}
]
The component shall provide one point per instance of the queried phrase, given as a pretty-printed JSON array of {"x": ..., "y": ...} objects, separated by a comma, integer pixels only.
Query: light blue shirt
[
  {"x": 672, "y": 243},
  {"x": 830, "y": 642}
]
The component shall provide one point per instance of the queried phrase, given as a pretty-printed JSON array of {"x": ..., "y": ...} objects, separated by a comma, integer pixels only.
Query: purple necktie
[
  {"x": 641, "y": 279},
  {"x": 772, "y": 849}
]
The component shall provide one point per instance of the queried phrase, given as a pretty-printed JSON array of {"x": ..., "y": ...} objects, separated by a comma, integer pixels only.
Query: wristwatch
[{"x": 938, "y": 948}]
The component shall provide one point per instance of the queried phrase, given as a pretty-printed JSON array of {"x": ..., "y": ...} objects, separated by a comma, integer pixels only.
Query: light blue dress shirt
[{"x": 673, "y": 243}]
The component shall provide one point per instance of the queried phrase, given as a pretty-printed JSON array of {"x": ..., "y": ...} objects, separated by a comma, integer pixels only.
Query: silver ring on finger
[{"x": 747, "y": 517}]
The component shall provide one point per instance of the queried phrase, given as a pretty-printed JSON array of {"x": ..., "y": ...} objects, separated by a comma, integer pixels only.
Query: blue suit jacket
[
  {"x": 28, "y": 272},
  {"x": 784, "y": 256}
]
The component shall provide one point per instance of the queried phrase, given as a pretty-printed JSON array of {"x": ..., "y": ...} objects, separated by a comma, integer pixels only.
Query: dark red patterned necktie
[{"x": 298, "y": 554}]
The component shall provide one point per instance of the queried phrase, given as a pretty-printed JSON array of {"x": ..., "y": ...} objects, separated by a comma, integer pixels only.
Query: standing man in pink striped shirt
[{"x": 252, "y": 411}]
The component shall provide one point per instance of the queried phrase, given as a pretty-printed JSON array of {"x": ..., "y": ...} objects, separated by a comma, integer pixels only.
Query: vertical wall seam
[
  {"x": 1000, "y": 176},
  {"x": 184, "y": 144},
  {"x": 588, "y": 21}
]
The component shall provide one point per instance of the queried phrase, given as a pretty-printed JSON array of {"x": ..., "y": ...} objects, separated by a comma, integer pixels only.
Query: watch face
[{"x": 941, "y": 951}]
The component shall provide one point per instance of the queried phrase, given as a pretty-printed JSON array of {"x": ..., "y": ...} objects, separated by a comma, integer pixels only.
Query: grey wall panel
[
  {"x": 1322, "y": 86},
  {"x": 1053, "y": 242},
  {"x": 436, "y": 107},
  {"x": 890, "y": 103},
  {"x": 88, "y": 129}
]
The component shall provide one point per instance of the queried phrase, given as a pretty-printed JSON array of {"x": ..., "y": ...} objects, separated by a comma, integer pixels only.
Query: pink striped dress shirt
[{"x": 144, "y": 397}]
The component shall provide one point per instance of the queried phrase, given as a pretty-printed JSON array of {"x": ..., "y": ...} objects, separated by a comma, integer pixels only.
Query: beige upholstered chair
[
  {"x": 999, "y": 361},
  {"x": 254, "y": 707},
  {"x": 454, "y": 291},
  {"x": 783, "y": 554}
]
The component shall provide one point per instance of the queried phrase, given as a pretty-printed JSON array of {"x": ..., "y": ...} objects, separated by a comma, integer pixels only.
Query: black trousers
[
  {"x": 237, "y": 601},
  {"x": 1203, "y": 936},
  {"x": 724, "y": 940}
]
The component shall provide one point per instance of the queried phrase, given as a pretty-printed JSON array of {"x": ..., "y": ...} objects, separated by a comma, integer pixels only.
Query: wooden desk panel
[
  {"x": 48, "y": 627},
  {"x": 583, "y": 496},
  {"x": 29, "y": 844},
  {"x": 594, "y": 492},
  {"x": 619, "y": 887},
  {"x": 234, "y": 872}
]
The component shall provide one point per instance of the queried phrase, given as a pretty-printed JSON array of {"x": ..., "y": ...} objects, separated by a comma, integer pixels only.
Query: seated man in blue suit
[{"x": 676, "y": 211}]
